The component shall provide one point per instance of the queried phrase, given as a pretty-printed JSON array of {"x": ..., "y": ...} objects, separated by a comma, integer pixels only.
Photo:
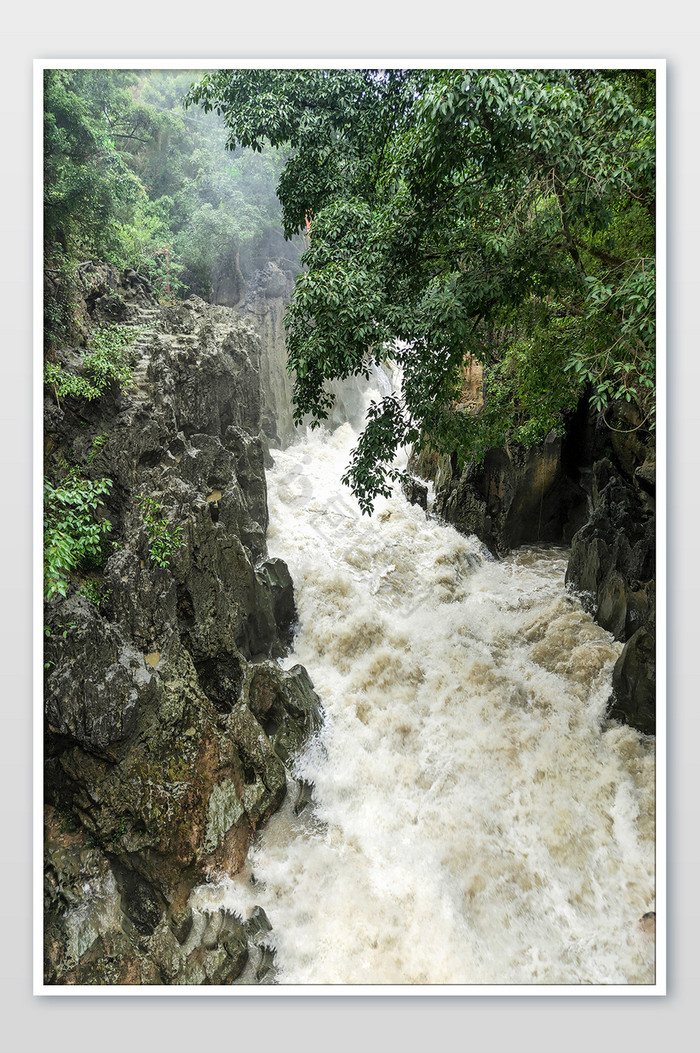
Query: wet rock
[
  {"x": 215, "y": 951},
  {"x": 262, "y": 953},
  {"x": 415, "y": 491},
  {"x": 515, "y": 497},
  {"x": 266, "y": 970},
  {"x": 258, "y": 924},
  {"x": 613, "y": 560},
  {"x": 612, "y": 556},
  {"x": 286, "y": 706},
  {"x": 234, "y": 940},
  {"x": 275, "y": 573},
  {"x": 304, "y": 796},
  {"x": 634, "y": 683},
  {"x": 168, "y": 721},
  {"x": 647, "y": 923}
]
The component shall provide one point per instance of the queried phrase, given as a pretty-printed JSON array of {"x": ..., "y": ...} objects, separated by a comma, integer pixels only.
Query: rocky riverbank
[
  {"x": 169, "y": 722},
  {"x": 593, "y": 488}
]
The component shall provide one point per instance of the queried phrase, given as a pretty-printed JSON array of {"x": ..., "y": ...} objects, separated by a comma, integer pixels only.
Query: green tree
[
  {"x": 89, "y": 189},
  {"x": 505, "y": 216}
]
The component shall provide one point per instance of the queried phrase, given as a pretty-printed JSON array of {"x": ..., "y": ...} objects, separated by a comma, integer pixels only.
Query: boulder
[{"x": 634, "y": 683}]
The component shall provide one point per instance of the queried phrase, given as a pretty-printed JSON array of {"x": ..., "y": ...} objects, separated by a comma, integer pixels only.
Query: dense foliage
[
  {"x": 73, "y": 529},
  {"x": 132, "y": 179},
  {"x": 505, "y": 216}
]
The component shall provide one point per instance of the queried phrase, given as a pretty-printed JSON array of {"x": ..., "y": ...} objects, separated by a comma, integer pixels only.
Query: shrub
[
  {"x": 105, "y": 360},
  {"x": 72, "y": 533},
  {"x": 164, "y": 539}
]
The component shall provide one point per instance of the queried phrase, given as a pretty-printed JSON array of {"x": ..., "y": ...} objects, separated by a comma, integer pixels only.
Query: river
[{"x": 475, "y": 819}]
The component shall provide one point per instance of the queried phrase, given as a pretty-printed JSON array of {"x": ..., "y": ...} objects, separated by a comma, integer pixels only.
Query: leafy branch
[
  {"x": 72, "y": 530},
  {"x": 164, "y": 539}
]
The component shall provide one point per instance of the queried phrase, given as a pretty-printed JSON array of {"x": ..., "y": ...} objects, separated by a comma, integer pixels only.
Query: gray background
[{"x": 509, "y": 30}]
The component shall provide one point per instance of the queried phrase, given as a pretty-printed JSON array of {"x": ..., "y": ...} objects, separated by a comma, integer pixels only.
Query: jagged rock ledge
[{"x": 169, "y": 721}]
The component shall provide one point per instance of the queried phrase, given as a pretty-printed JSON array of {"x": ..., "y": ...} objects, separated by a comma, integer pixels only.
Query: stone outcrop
[
  {"x": 268, "y": 295},
  {"x": 169, "y": 721},
  {"x": 514, "y": 497},
  {"x": 613, "y": 561}
]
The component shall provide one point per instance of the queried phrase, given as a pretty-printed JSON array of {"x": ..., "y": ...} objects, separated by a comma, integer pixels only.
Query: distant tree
[{"x": 131, "y": 178}]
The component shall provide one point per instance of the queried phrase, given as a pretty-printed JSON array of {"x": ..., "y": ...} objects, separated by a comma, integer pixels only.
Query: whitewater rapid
[{"x": 475, "y": 820}]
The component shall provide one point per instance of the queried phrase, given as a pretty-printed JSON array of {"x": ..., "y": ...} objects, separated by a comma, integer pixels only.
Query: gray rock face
[
  {"x": 269, "y": 292},
  {"x": 168, "y": 721},
  {"x": 103, "y": 711},
  {"x": 515, "y": 497},
  {"x": 613, "y": 559}
]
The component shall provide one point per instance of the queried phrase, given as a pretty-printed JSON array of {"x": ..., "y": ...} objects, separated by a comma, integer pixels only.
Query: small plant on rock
[
  {"x": 72, "y": 531},
  {"x": 164, "y": 539},
  {"x": 97, "y": 443},
  {"x": 90, "y": 590},
  {"x": 105, "y": 360}
]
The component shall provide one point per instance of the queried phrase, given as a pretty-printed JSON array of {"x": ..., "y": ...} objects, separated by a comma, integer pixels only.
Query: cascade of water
[{"x": 475, "y": 820}]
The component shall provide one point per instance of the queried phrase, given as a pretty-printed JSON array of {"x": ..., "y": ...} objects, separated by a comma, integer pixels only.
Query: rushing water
[{"x": 475, "y": 820}]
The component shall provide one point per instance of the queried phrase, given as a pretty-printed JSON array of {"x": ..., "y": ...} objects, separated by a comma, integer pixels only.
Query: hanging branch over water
[{"x": 448, "y": 205}]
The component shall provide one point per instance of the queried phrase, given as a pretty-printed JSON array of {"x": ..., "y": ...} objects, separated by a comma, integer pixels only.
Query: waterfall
[{"x": 475, "y": 819}]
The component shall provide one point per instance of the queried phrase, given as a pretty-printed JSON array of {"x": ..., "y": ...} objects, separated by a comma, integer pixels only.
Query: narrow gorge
[
  {"x": 349, "y": 560},
  {"x": 405, "y": 774}
]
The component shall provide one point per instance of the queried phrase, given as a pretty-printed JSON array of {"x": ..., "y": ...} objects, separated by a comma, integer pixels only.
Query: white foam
[{"x": 474, "y": 820}]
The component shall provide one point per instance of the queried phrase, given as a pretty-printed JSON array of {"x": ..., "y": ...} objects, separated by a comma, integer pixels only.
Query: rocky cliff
[
  {"x": 515, "y": 497},
  {"x": 169, "y": 722},
  {"x": 268, "y": 294},
  {"x": 613, "y": 561}
]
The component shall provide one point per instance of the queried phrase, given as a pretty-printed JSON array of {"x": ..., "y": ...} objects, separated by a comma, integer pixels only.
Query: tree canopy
[
  {"x": 503, "y": 216},
  {"x": 131, "y": 178}
]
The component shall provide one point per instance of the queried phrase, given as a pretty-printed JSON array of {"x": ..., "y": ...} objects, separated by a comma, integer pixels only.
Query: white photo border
[{"x": 659, "y": 987}]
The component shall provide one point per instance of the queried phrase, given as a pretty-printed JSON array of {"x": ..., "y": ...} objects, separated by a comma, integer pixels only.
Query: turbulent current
[{"x": 475, "y": 819}]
